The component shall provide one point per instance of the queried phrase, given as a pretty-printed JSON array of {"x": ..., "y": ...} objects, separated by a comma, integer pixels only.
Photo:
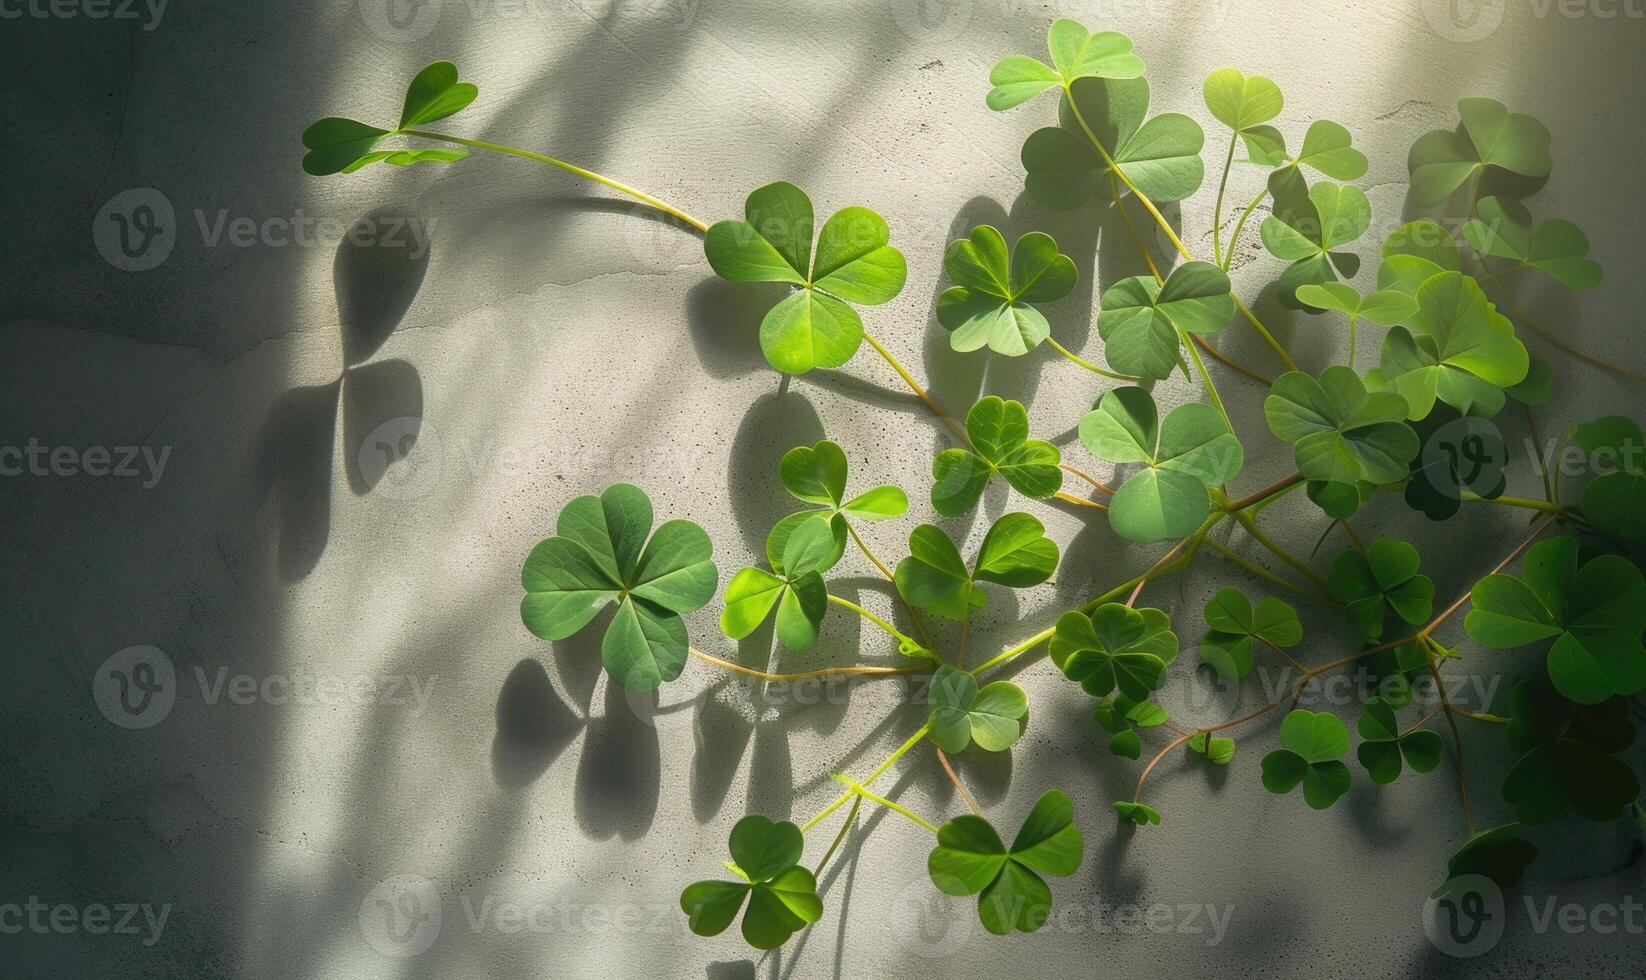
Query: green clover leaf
[
  {"x": 1143, "y": 322},
  {"x": 1504, "y": 229},
  {"x": 1015, "y": 553},
  {"x": 1308, "y": 228},
  {"x": 1461, "y": 453},
  {"x": 1116, "y": 648},
  {"x": 1138, "y": 813},
  {"x": 1384, "y": 307},
  {"x": 961, "y": 714},
  {"x": 1342, "y": 433},
  {"x": 1569, "y": 756},
  {"x": 797, "y": 591},
  {"x": 1239, "y": 102},
  {"x": 971, "y": 860},
  {"x": 817, "y": 475},
  {"x": 1218, "y": 751},
  {"x": 1498, "y": 853},
  {"x": 601, "y": 554},
  {"x": 1384, "y": 745},
  {"x": 1076, "y": 53},
  {"x": 1383, "y": 580},
  {"x": 337, "y": 145},
  {"x": 1313, "y": 743},
  {"x": 999, "y": 433},
  {"x": 1121, "y": 717},
  {"x": 1422, "y": 239},
  {"x": 1192, "y": 450},
  {"x": 1160, "y": 156},
  {"x": 813, "y": 327},
  {"x": 782, "y": 895},
  {"x": 1327, "y": 148},
  {"x": 1235, "y": 624},
  {"x": 1488, "y": 136},
  {"x": 1615, "y": 503},
  {"x": 1458, "y": 349},
  {"x": 990, "y": 301},
  {"x": 1594, "y": 612},
  {"x": 1340, "y": 500},
  {"x": 1535, "y": 389}
]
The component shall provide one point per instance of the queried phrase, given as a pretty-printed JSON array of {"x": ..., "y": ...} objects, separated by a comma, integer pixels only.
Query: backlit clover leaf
[
  {"x": 1341, "y": 432},
  {"x": 1116, "y": 648},
  {"x": 1121, "y": 717},
  {"x": 600, "y": 555},
  {"x": 1309, "y": 227},
  {"x": 1383, "y": 580},
  {"x": 1314, "y": 743},
  {"x": 1138, "y": 813},
  {"x": 971, "y": 860},
  {"x": 1459, "y": 453},
  {"x": 1458, "y": 349},
  {"x": 1015, "y": 553},
  {"x": 817, "y": 475},
  {"x": 1569, "y": 756},
  {"x": 1384, "y": 745},
  {"x": 1414, "y": 253},
  {"x": 1488, "y": 136},
  {"x": 1499, "y": 853},
  {"x": 1340, "y": 500},
  {"x": 1191, "y": 450},
  {"x": 813, "y": 326},
  {"x": 1504, "y": 229},
  {"x": 1595, "y": 612},
  {"x": 1327, "y": 148},
  {"x": 338, "y": 145},
  {"x": 782, "y": 896},
  {"x": 1243, "y": 104},
  {"x": 1076, "y": 53},
  {"x": 999, "y": 433},
  {"x": 1161, "y": 157},
  {"x": 796, "y": 590},
  {"x": 1614, "y": 503},
  {"x": 1235, "y": 623},
  {"x": 962, "y": 714},
  {"x": 1218, "y": 751},
  {"x": 1142, "y": 322},
  {"x": 989, "y": 303},
  {"x": 1384, "y": 307}
]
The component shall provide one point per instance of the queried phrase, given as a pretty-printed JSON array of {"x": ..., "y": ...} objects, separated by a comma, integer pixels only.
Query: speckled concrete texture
[{"x": 361, "y": 765}]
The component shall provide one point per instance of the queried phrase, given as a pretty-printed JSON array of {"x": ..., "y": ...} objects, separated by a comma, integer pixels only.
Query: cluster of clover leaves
[{"x": 1415, "y": 423}]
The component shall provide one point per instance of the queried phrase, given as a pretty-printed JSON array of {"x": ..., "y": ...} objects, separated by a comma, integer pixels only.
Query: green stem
[
  {"x": 914, "y": 386},
  {"x": 1246, "y": 521},
  {"x": 902, "y": 750},
  {"x": 888, "y": 804},
  {"x": 871, "y": 617},
  {"x": 1263, "y": 331},
  {"x": 1267, "y": 575},
  {"x": 1353, "y": 319},
  {"x": 1480, "y": 716},
  {"x": 1088, "y": 365},
  {"x": 1206, "y": 378},
  {"x": 1217, "y": 212},
  {"x": 1266, "y": 494},
  {"x": 569, "y": 168},
  {"x": 844, "y": 828},
  {"x": 1114, "y": 168},
  {"x": 1235, "y": 238},
  {"x": 1547, "y": 506}
]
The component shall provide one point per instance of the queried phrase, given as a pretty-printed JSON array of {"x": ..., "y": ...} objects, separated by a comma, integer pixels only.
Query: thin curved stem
[
  {"x": 1230, "y": 362},
  {"x": 1479, "y": 715},
  {"x": 1527, "y": 322},
  {"x": 896, "y": 633},
  {"x": 1246, "y": 521},
  {"x": 1291, "y": 365},
  {"x": 851, "y": 818},
  {"x": 895, "y": 807},
  {"x": 914, "y": 614},
  {"x": 1228, "y": 257},
  {"x": 901, "y": 751},
  {"x": 954, "y": 777},
  {"x": 1547, "y": 506},
  {"x": 1267, "y": 575},
  {"x": 1457, "y": 734},
  {"x": 914, "y": 386},
  {"x": 1251, "y": 500},
  {"x": 569, "y": 168},
  {"x": 1094, "y": 481},
  {"x": 1114, "y": 168},
  {"x": 1088, "y": 365},
  {"x": 1217, "y": 212},
  {"x": 804, "y": 675},
  {"x": 1080, "y": 501},
  {"x": 1206, "y": 379}
]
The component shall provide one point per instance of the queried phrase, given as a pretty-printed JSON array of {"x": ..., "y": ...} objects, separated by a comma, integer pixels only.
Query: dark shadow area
[
  {"x": 533, "y": 725},
  {"x": 617, "y": 778}
]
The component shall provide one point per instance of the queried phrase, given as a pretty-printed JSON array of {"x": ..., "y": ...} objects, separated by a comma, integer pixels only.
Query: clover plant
[{"x": 1453, "y": 354}]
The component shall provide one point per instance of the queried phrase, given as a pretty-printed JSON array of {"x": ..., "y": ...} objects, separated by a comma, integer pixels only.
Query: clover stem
[
  {"x": 1246, "y": 521},
  {"x": 1138, "y": 793},
  {"x": 1288, "y": 657},
  {"x": 1352, "y": 346},
  {"x": 1547, "y": 506},
  {"x": 1527, "y": 322},
  {"x": 1479, "y": 715},
  {"x": 1229, "y": 361},
  {"x": 1228, "y": 257},
  {"x": 1265, "y": 574},
  {"x": 1099, "y": 484},
  {"x": 954, "y": 777},
  {"x": 1088, "y": 365},
  {"x": 1114, "y": 168},
  {"x": 914, "y": 616},
  {"x": 569, "y": 168},
  {"x": 1217, "y": 212},
  {"x": 914, "y": 386},
  {"x": 1463, "y": 599},
  {"x": 1283, "y": 484},
  {"x": 960, "y": 653},
  {"x": 851, "y": 818},
  {"x": 1263, "y": 331},
  {"x": 1206, "y": 378},
  {"x": 1457, "y": 735},
  {"x": 826, "y": 672},
  {"x": 896, "y": 807},
  {"x": 903, "y": 749},
  {"x": 1081, "y": 501},
  {"x": 1537, "y": 440},
  {"x": 1424, "y": 720},
  {"x": 871, "y": 617}
]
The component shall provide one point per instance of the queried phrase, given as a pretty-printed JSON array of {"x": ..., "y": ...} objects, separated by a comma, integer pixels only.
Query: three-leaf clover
[
  {"x": 600, "y": 555},
  {"x": 1243, "y": 104},
  {"x": 1076, "y": 53},
  {"x": 813, "y": 326},
  {"x": 1384, "y": 307},
  {"x": 1143, "y": 322},
  {"x": 1314, "y": 743},
  {"x": 1161, "y": 157},
  {"x": 989, "y": 303},
  {"x": 1385, "y": 579},
  {"x": 1488, "y": 136},
  {"x": 1191, "y": 450},
  {"x": 338, "y": 145},
  {"x": 796, "y": 590},
  {"x": 962, "y": 714},
  {"x": 817, "y": 475},
  {"x": 1504, "y": 229},
  {"x": 1595, "y": 613},
  {"x": 1384, "y": 745},
  {"x": 782, "y": 895},
  {"x": 1459, "y": 452},
  {"x": 1309, "y": 227},
  {"x": 971, "y": 860},
  {"x": 1116, "y": 648},
  {"x": 1327, "y": 148},
  {"x": 1121, "y": 717},
  {"x": 1569, "y": 758},
  {"x": 1342, "y": 433},
  {"x": 1235, "y": 623},
  {"x": 999, "y": 433},
  {"x": 1458, "y": 349},
  {"x": 1614, "y": 503},
  {"x": 1015, "y": 553}
]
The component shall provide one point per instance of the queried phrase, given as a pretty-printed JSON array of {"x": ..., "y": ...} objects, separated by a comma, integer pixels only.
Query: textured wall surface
[{"x": 545, "y": 338}]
